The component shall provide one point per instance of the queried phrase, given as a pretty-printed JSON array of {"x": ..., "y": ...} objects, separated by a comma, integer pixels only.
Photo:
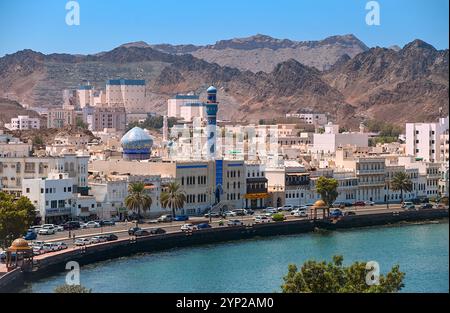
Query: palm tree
[
  {"x": 137, "y": 200},
  {"x": 173, "y": 198},
  {"x": 401, "y": 182}
]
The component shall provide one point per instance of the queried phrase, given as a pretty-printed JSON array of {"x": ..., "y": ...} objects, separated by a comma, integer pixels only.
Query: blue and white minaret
[{"x": 211, "y": 116}]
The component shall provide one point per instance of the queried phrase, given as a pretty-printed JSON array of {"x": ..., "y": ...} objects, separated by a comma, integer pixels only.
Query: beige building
[
  {"x": 128, "y": 93},
  {"x": 61, "y": 117}
]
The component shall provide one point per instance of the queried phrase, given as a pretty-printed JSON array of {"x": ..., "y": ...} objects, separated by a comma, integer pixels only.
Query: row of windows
[
  {"x": 200, "y": 198},
  {"x": 258, "y": 174},
  {"x": 234, "y": 185},
  {"x": 191, "y": 180},
  {"x": 233, "y": 196},
  {"x": 233, "y": 174}
]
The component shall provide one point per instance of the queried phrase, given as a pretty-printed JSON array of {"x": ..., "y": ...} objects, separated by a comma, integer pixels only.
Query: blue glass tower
[{"x": 211, "y": 115}]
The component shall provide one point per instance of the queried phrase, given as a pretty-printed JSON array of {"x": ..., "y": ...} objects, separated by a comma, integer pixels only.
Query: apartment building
[{"x": 23, "y": 122}]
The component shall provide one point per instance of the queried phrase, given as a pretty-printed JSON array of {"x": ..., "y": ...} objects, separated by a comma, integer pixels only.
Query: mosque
[{"x": 136, "y": 144}]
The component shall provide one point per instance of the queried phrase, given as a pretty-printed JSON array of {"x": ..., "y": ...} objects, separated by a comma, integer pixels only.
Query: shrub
[{"x": 278, "y": 217}]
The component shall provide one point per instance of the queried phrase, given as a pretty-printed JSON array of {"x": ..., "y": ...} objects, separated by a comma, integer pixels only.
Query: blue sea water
[{"x": 258, "y": 265}]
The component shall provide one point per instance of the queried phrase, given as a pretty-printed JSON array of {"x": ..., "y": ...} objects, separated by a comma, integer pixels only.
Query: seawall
[{"x": 125, "y": 247}]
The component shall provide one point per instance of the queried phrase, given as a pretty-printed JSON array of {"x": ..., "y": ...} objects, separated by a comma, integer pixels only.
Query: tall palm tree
[
  {"x": 173, "y": 198},
  {"x": 401, "y": 182},
  {"x": 137, "y": 200}
]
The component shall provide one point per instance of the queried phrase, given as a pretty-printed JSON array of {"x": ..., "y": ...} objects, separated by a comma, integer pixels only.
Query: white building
[
  {"x": 23, "y": 122},
  {"x": 329, "y": 141},
  {"x": 110, "y": 193},
  {"x": 423, "y": 139},
  {"x": 317, "y": 119},
  {"x": 52, "y": 196},
  {"x": 85, "y": 96},
  {"x": 186, "y": 107},
  {"x": 128, "y": 93}
]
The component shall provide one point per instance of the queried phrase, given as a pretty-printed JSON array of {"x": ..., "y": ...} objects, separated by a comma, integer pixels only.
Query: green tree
[
  {"x": 16, "y": 216},
  {"x": 173, "y": 197},
  {"x": 333, "y": 277},
  {"x": 38, "y": 141},
  {"x": 327, "y": 188},
  {"x": 81, "y": 124},
  {"x": 278, "y": 217},
  {"x": 72, "y": 289},
  {"x": 137, "y": 200},
  {"x": 401, "y": 182}
]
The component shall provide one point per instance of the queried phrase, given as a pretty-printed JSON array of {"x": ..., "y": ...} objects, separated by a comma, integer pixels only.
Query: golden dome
[
  {"x": 19, "y": 244},
  {"x": 319, "y": 204}
]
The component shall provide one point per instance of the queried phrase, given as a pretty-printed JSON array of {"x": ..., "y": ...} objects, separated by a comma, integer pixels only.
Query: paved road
[{"x": 121, "y": 229}]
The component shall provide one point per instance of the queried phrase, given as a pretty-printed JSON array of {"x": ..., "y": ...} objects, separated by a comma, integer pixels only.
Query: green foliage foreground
[
  {"x": 72, "y": 289},
  {"x": 333, "y": 277}
]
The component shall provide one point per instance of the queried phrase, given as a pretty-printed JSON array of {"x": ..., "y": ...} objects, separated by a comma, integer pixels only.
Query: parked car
[
  {"x": 35, "y": 228},
  {"x": 348, "y": 213},
  {"x": 71, "y": 225},
  {"x": 187, "y": 227},
  {"x": 165, "y": 218},
  {"x": 235, "y": 223},
  {"x": 407, "y": 204},
  {"x": 48, "y": 230},
  {"x": 213, "y": 214},
  {"x": 371, "y": 203},
  {"x": 38, "y": 250},
  {"x": 270, "y": 210},
  {"x": 229, "y": 214},
  {"x": 50, "y": 246},
  {"x": 91, "y": 224},
  {"x": 107, "y": 223},
  {"x": 110, "y": 237},
  {"x": 287, "y": 208},
  {"x": 83, "y": 241},
  {"x": 60, "y": 245},
  {"x": 250, "y": 212},
  {"x": 132, "y": 230},
  {"x": 142, "y": 233},
  {"x": 262, "y": 219},
  {"x": 202, "y": 226},
  {"x": 300, "y": 213},
  {"x": 359, "y": 203},
  {"x": 336, "y": 213},
  {"x": 157, "y": 231},
  {"x": 98, "y": 239},
  {"x": 239, "y": 212},
  {"x": 37, "y": 243},
  {"x": 30, "y": 235},
  {"x": 181, "y": 218},
  {"x": 426, "y": 206}
]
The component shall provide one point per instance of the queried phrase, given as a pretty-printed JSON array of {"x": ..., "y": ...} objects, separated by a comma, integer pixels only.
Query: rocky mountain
[
  {"x": 409, "y": 84},
  {"x": 397, "y": 86},
  {"x": 263, "y": 53}
]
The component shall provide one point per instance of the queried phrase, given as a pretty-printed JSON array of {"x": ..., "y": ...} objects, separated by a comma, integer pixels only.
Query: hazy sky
[{"x": 104, "y": 24}]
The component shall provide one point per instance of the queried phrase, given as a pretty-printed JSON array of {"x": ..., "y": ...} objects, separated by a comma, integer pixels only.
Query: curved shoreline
[{"x": 55, "y": 263}]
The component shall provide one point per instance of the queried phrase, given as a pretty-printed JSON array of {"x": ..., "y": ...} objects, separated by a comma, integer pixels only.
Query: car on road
[
  {"x": 262, "y": 219},
  {"x": 239, "y": 212},
  {"x": 359, "y": 203},
  {"x": 250, "y": 212},
  {"x": 157, "y": 231},
  {"x": 142, "y": 233},
  {"x": 30, "y": 235},
  {"x": 71, "y": 225},
  {"x": 300, "y": 213},
  {"x": 235, "y": 223},
  {"x": 90, "y": 224},
  {"x": 213, "y": 214},
  {"x": 60, "y": 246},
  {"x": 229, "y": 214},
  {"x": 181, "y": 218},
  {"x": 37, "y": 243},
  {"x": 110, "y": 237},
  {"x": 370, "y": 203},
  {"x": 48, "y": 230},
  {"x": 165, "y": 218},
  {"x": 348, "y": 213},
  {"x": 98, "y": 239},
  {"x": 83, "y": 241},
  {"x": 187, "y": 227},
  {"x": 202, "y": 226},
  {"x": 287, "y": 208},
  {"x": 35, "y": 228},
  {"x": 336, "y": 213},
  {"x": 107, "y": 223},
  {"x": 425, "y": 206},
  {"x": 408, "y": 205},
  {"x": 50, "y": 246},
  {"x": 132, "y": 230},
  {"x": 38, "y": 250},
  {"x": 270, "y": 210}
]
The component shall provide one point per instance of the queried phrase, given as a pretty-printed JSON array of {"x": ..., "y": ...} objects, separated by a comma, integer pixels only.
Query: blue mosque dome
[
  {"x": 211, "y": 89},
  {"x": 136, "y": 144}
]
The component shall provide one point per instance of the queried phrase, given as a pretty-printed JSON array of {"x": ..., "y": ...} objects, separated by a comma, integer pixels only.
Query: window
[{"x": 28, "y": 190}]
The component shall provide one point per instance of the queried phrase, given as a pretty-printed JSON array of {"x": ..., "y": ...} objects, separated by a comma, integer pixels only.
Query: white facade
[
  {"x": 186, "y": 107},
  {"x": 52, "y": 196},
  {"x": 423, "y": 139},
  {"x": 130, "y": 94},
  {"x": 331, "y": 140},
  {"x": 23, "y": 122}
]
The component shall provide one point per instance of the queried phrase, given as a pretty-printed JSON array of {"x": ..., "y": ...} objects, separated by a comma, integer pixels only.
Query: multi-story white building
[
  {"x": 85, "y": 96},
  {"x": 429, "y": 175},
  {"x": 329, "y": 141},
  {"x": 52, "y": 196},
  {"x": 186, "y": 107},
  {"x": 128, "y": 93},
  {"x": 23, "y": 122},
  {"x": 423, "y": 140}
]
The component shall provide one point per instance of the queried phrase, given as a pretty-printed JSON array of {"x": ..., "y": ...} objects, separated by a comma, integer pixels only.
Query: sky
[{"x": 41, "y": 25}]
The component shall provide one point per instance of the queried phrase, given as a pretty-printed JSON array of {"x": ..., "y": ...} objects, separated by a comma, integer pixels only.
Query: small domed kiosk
[
  {"x": 321, "y": 205},
  {"x": 19, "y": 254}
]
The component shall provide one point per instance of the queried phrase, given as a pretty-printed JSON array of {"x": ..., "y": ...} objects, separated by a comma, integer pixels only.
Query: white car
[
  {"x": 83, "y": 241},
  {"x": 371, "y": 203},
  {"x": 35, "y": 228},
  {"x": 38, "y": 250},
  {"x": 59, "y": 228},
  {"x": 230, "y": 214},
  {"x": 262, "y": 219},
  {"x": 49, "y": 230},
  {"x": 235, "y": 223},
  {"x": 301, "y": 213},
  {"x": 98, "y": 239},
  {"x": 50, "y": 246},
  {"x": 187, "y": 227},
  {"x": 60, "y": 245},
  {"x": 90, "y": 224},
  {"x": 287, "y": 208}
]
